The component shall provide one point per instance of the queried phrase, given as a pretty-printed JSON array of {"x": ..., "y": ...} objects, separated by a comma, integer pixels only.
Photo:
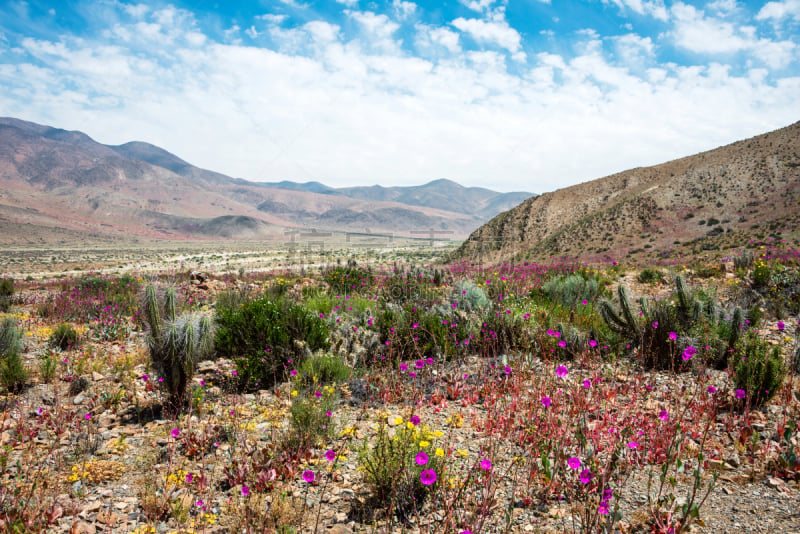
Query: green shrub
[
  {"x": 571, "y": 290},
  {"x": 176, "y": 343},
  {"x": 348, "y": 280},
  {"x": 264, "y": 335},
  {"x": 470, "y": 298},
  {"x": 13, "y": 374},
  {"x": 759, "y": 369},
  {"x": 47, "y": 368},
  {"x": 309, "y": 422},
  {"x": 64, "y": 336},
  {"x": 323, "y": 369},
  {"x": 650, "y": 276},
  {"x": 761, "y": 274},
  {"x": 391, "y": 473},
  {"x": 6, "y": 292}
]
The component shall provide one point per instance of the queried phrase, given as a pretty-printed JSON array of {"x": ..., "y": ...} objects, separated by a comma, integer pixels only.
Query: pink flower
[
  {"x": 414, "y": 420},
  {"x": 585, "y": 476},
  {"x": 245, "y": 491},
  {"x": 633, "y": 445},
  {"x": 404, "y": 367},
  {"x": 673, "y": 336},
  {"x": 145, "y": 378},
  {"x": 199, "y": 503},
  {"x": 330, "y": 455},
  {"x": 688, "y": 352},
  {"x": 429, "y": 361},
  {"x": 712, "y": 389},
  {"x": 663, "y": 415},
  {"x": 781, "y": 326},
  {"x": 546, "y": 402},
  {"x": 587, "y": 383},
  {"x": 88, "y": 416},
  {"x": 592, "y": 343},
  {"x": 740, "y": 393},
  {"x": 175, "y": 432},
  {"x": 427, "y": 477},
  {"x": 562, "y": 371},
  {"x": 603, "y": 508},
  {"x": 293, "y": 372},
  {"x": 486, "y": 464},
  {"x": 562, "y": 343},
  {"x": 574, "y": 462},
  {"x": 328, "y": 413},
  {"x": 412, "y": 374},
  {"x": 308, "y": 476},
  {"x": 318, "y": 394},
  {"x": 655, "y": 324},
  {"x": 189, "y": 478},
  {"x": 507, "y": 370},
  {"x": 419, "y": 364},
  {"x": 421, "y": 458}
]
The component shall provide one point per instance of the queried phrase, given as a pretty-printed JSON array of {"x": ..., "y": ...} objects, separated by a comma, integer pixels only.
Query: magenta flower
[
  {"x": 781, "y": 326},
  {"x": 673, "y": 336},
  {"x": 633, "y": 445},
  {"x": 145, "y": 378},
  {"x": 688, "y": 352},
  {"x": 546, "y": 402},
  {"x": 507, "y": 370},
  {"x": 308, "y": 476},
  {"x": 245, "y": 491},
  {"x": 427, "y": 477},
  {"x": 655, "y": 324},
  {"x": 562, "y": 343},
  {"x": 574, "y": 462},
  {"x": 740, "y": 393},
  {"x": 429, "y": 361},
  {"x": 175, "y": 432},
  {"x": 419, "y": 364},
  {"x": 404, "y": 367},
  {"x": 486, "y": 464},
  {"x": 88, "y": 416},
  {"x": 421, "y": 458},
  {"x": 199, "y": 503},
  {"x": 562, "y": 371},
  {"x": 587, "y": 383},
  {"x": 603, "y": 508},
  {"x": 330, "y": 455},
  {"x": 412, "y": 374},
  {"x": 189, "y": 478},
  {"x": 414, "y": 420},
  {"x": 712, "y": 389},
  {"x": 585, "y": 476},
  {"x": 293, "y": 372},
  {"x": 328, "y": 413},
  {"x": 592, "y": 343},
  {"x": 318, "y": 394},
  {"x": 663, "y": 415}
]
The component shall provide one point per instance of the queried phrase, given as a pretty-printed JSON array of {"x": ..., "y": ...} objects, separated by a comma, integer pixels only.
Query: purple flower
[
  {"x": 663, "y": 415},
  {"x": 245, "y": 491},
  {"x": 486, "y": 464},
  {"x": 419, "y": 364},
  {"x": 145, "y": 378},
  {"x": 429, "y": 361},
  {"x": 603, "y": 508},
  {"x": 585, "y": 476},
  {"x": 781, "y": 326},
  {"x": 427, "y": 477},
  {"x": 562, "y": 343},
  {"x": 404, "y": 367},
  {"x": 587, "y": 383},
  {"x": 673, "y": 336},
  {"x": 546, "y": 402},
  {"x": 308, "y": 476},
  {"x": 318, "y": 394},
  {"x": 175, "y": 432},
  {"x": 507, "y": 370},
  {"x": 88, "y": 416},
  {"x": 688, "y": 352},
  {"x": 330, "y": 455},
  {"x": 740, "y": 393},
  {"x": 633, "y": 445},
  {"x": 414, "y": 420},
  {"x": 592, "y": 343},
  {"x": 293, "y": 372},
  {"x": 562, "y": 371},
  {"x": 421, "y": 458},
  {"x": 189, "y": 478},
  {"x": 712, "y": 389},
  {"x": 655, "y": 324},
  {"x": 574, "y": 462}
]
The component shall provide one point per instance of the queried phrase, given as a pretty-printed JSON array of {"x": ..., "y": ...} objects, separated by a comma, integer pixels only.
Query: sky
[{"x": 511, "y": 95}]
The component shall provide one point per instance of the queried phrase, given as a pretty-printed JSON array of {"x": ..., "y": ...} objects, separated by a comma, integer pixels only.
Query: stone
[
  {"x": 97, "y": 377},
  {"x": 82, "y": 527},
  {"x": 339, "y": 528}
]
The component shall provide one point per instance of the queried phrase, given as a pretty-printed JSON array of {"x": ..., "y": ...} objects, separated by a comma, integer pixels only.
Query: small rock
[
  {"x": 82, "y": 527},
  {"x": 339, "y": 528},
  {"x": 97, "y": 377},
  {"x": 79, "y": 399},
  {"x": 340, "y": 517}
]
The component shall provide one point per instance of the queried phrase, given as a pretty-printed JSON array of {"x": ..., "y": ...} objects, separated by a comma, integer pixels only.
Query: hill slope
[{"x": 710, "y": 201}]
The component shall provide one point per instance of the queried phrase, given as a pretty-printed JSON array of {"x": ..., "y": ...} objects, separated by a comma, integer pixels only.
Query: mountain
[
  {"x": 55, "y": 178},
  {"x": 712, "y": 201},
  {"x": 483, "y": 202}
]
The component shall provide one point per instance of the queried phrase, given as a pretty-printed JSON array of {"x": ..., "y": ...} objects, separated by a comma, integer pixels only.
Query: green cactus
[
  {"x": 623, "y": 323},
  {"x": 13, "y": 373},
  {"x": 176, "y": 343}
]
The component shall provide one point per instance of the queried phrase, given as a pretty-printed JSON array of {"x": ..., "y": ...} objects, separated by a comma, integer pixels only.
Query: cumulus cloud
[
  {"x": 496, "y": 32},
  {"x": 777, "y": 11}
]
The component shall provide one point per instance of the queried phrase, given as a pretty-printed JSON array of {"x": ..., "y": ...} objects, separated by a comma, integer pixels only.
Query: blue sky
[{"x": 512, "y": 95}]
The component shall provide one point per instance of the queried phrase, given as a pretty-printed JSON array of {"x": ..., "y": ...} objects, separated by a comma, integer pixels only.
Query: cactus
[
  {"x": 176, "y": 343},
  {"x": 13, "y": 374},
  {"x": 623, "y": 323}
]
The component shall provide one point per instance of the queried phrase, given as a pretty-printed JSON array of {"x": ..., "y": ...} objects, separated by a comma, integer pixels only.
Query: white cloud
[
  {"x": 478, "y": 5},
  {"x": 723, "y": 7},
  {"x": 777, "y": 11},
  {"x": 431, "y": 37},
  {"x": 495, "y": 32},
  {"x": 654, "y": 8},
  {"x": 272, "y": 18},
  {"x": 378, "y": 30},
  {"x": 633, "y": 50},
  {"x": 136, "y": 11},
  {"x": 706, "y": 35},
  {"x": 348, "y": 3},
  {"x": 403, "y": 9}
]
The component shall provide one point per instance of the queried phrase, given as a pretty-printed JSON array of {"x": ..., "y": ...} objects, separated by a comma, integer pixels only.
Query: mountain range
[
  {"x": 738, "y": 195},
  {"x": 64, "y": 183}
]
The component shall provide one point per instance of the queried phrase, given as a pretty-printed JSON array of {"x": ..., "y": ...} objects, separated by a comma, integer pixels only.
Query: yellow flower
[
  {"x": 438, "y": 433},
  {"x": 423, "y": 444},
  {"x": 294, "y": 393},
  {"x": 462, "y": 452},
  {"x": 439, "y": 452},
  {"x": 398, "y": 420},
  {"x": 410, "y": 425}
]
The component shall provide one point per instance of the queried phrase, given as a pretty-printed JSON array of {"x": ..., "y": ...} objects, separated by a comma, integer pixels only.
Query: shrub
[
  {"x": 64, "y": 336},
  {"x": 12, "y": 369},
  {"x": 6, "y": 292},
  {"x": 761, "y": 274},
  {"x": 650, "y": 276},
  {"x": 470, "y": 298},
  {"x": 759, "y": 370},
  {"x": 176, "y": 343},
  {"x": 348, "y": 279},
  {"x": 323, "y": 369},
  {"x": 391, "y": 472},
  {"x": 573, "y": 289},
  {"x": 47, "y": 368},
  {"x": 263, "y": 335},
  {"x": 309, "y": 421}
]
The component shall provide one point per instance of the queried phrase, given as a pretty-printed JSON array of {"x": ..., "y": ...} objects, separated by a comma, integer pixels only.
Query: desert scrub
[
  {"x": 759, "y": 369},
  {"x": 322, "y": 368},
  {"x": 348, "y": 280},
  {"x": 572, "y": 290},
  {"x": 650, "y": 276},
  {"x": 6, "y": 292},
  {"x": 64, "y": 337},
  {"x": 311, "y": 419},
  {"x": 263, "y": 335},
  {"x": 13, "y": 373},
  {"x": 176, "y": 343},
  {"x": 392, "y": 467}
]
